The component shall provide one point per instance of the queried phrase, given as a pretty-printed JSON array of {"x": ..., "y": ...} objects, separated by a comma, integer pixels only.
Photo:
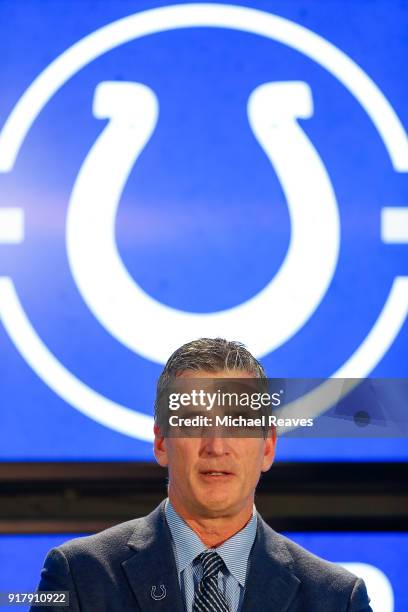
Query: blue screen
[
  {"x": 381, "y": 558},
  {"x": 234, "y": 171}
]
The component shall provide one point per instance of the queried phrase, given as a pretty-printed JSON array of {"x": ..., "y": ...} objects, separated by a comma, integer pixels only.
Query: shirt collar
[{"x": 234, "y": 551}]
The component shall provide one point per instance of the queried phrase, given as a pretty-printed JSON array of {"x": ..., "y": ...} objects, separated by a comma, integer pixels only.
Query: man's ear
[
  {"x": 160, "y": 447},
  {"x": 269, "y": 449}
]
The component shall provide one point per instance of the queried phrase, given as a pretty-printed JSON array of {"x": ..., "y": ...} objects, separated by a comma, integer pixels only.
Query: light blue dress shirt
[{"x": 234, "y": 552}]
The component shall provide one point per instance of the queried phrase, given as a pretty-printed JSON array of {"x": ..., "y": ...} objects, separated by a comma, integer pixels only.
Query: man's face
[{"x": 214, "y": 476}]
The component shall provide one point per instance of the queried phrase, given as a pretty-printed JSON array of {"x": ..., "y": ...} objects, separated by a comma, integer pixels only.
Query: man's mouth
[{"x": 215, "y": 473}]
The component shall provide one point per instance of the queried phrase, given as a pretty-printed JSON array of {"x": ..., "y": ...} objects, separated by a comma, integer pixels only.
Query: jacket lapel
[
  {"x": 151, "y": 570},
  {"x": 271, "y": 583}
]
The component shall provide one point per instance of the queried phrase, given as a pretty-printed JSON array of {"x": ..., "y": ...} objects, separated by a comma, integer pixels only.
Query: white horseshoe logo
[
  {"x": 158, "y": 596},
  {"x": 381, "y": 113},
  {"x": 142, "y": 323}
]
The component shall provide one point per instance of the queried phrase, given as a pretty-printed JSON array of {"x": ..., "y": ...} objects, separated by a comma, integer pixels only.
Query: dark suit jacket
[{"x": 115, "y": 570}]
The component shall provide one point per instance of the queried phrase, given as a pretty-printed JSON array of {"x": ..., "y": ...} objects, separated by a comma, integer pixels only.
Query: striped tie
[{"x": 208, "y": 597}]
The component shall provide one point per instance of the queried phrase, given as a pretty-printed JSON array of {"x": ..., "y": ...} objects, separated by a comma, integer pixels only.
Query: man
[{"x": 205, "y": 548}]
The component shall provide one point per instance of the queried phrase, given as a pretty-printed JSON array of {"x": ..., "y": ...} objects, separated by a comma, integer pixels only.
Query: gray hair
[{"x": 207, "y": 355}]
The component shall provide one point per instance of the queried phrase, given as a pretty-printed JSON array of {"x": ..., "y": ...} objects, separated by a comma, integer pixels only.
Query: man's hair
[{"x": 207, "y": 355}]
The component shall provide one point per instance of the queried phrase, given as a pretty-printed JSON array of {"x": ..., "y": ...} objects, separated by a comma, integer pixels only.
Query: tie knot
[{"x": 211, "y": 563}]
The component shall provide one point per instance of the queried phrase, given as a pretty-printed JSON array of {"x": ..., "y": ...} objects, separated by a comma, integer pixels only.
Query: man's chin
[{"x": 216, "y": 506}]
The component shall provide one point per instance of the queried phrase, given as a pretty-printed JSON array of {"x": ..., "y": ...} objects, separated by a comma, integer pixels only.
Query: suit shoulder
[
  {"x": 322, "y": 585},
  {"x": 105, "y": 544},
  {"x": 310, "y": 567}
]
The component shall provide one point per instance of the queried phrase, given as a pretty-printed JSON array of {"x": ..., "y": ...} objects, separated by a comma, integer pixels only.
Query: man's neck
[{"x": 214, "y": 531}]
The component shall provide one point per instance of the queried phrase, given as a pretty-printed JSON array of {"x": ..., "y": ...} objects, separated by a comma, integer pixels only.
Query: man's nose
[{"x": 215, "y": 445}]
